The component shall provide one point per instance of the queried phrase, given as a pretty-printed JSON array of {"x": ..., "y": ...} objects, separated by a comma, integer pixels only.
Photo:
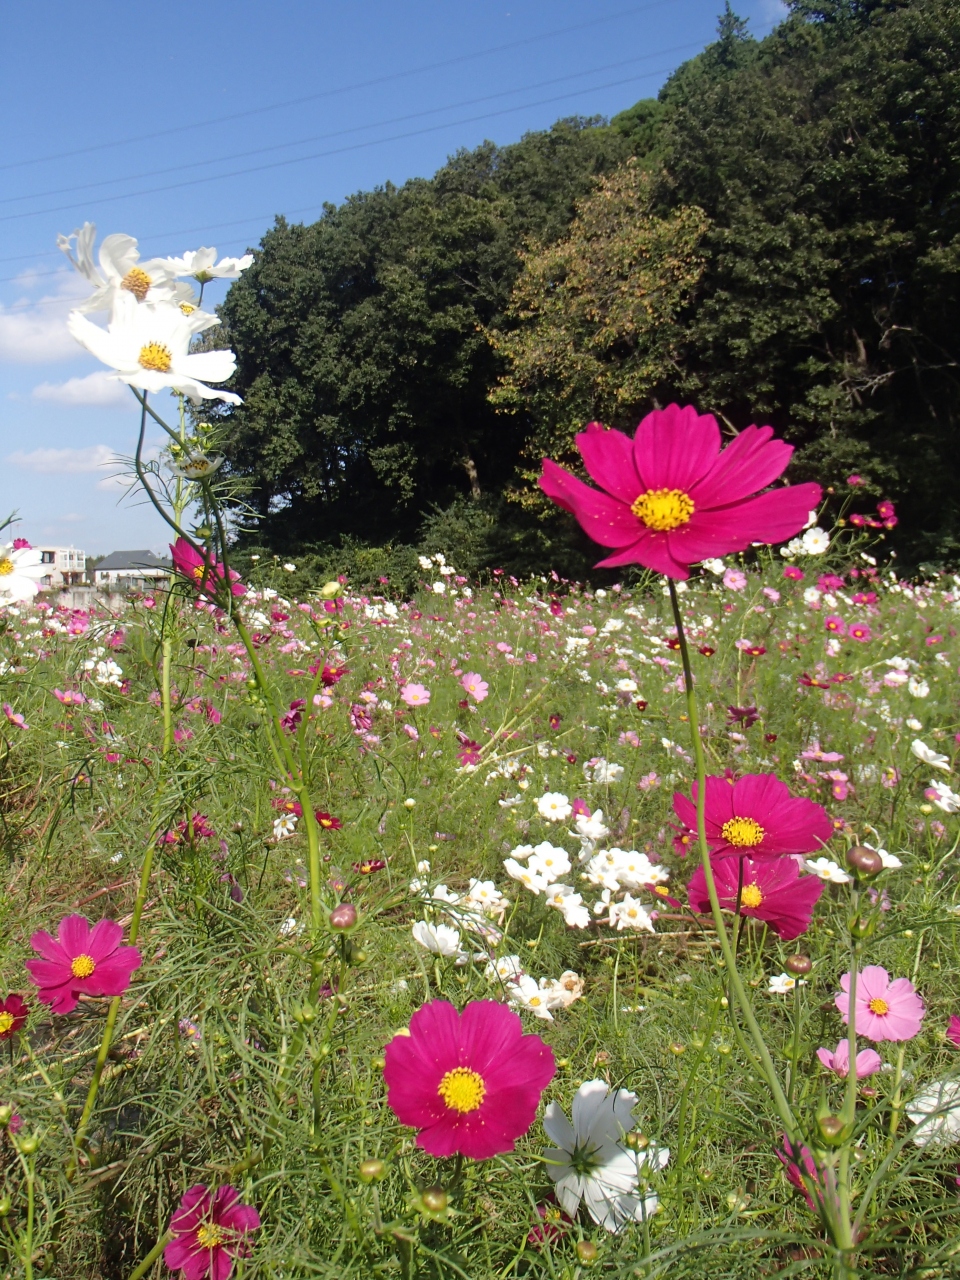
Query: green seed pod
[{"x": 372, "y": 1170}]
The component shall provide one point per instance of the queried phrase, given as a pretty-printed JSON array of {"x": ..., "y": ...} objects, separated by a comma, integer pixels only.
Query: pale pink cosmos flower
[
  {"x": 734, "y": 580},
  {"x": 415, "y": 695},
  {"x": 475, "y": 685},
  {"x": 838, "y": 1060},
  {"x": 884, "y": 1010}
]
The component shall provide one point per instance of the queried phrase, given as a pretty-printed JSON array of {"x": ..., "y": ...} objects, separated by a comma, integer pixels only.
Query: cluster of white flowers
[
  {"x": 154, "y": 314},
  {"x": 812, "y": 543},
  {"x": 525, "y": 992}
]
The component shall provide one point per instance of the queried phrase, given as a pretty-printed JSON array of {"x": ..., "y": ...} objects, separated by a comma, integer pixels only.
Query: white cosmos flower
[
  {"x": 441, "y": 939},
  {"x": 525, "y": 992},
  {"x": 630, "y": 914},
  {"x": 815, "y": 542},
  {"x": 944, "y": 798},
  {"x": 591, "y": 829},
  {"x": 936, "y": 1112},
  {"x": 149, "y": 347},
  {"x": 504, "y": 969},
  {"x": 554, "y": 806},
  {"x": 197, "y": 467},
  {"x": 570, "y": 905},
  {"x": 562, "y": 991},
  {"x": 284, "y": 826},
  {"x": 918, "y": 688},
  {"x": 19, "y": 571},
  {"x": 826, "y": 869},
  {"x": 929, "y": 756},
  {"x": 530, "y": 879},
  {"x": 589, "y": 1163},
  {"x": 202, "y": 265},
  {"x": 549, "y": 862},
  {"x": 783, "y": 983},
  {"x": 121, "y": 271}
]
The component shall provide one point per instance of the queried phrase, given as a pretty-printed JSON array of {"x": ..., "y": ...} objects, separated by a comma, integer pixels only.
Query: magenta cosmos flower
[
  {"x": 884, "y": 1010},
  {"x": 671, "y": 497},
  {"x": 13, "y": 1014},
  {"x": 81, "y": 961},
  {"x": 754, "y": 816},
  {"x": 868, "y": 1061},
  {"x": 773, "y": 891},
  {"x": 469, "y": 1082},
  {"x": 210, "y": 1232},
  {"x": 206, "y": 578}
]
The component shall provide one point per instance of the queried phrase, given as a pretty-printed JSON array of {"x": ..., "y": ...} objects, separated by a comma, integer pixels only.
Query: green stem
[
  {"x": 733, "y": 977},
  {"x": 151, "y": 1257},
  {"x": 28, "y": 1242}
]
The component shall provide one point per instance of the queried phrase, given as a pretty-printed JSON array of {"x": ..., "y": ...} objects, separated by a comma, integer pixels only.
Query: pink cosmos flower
[
  {"x": 792, "y": 572},
  {"x": 13, "y": 1014},
  {"x": 773, "y": 891},
  {"x": 81, "y": 961},
  {"x": 206, "y": 578},
  {"x": 835, "y": 624},
  {"x": 469, "y": 1082},
  {"x": 838, "y": 1061},
  {"x": 755, "y": 816},
  {"x": 671, "y": 497},
  {"x": 15, "y": 717},
  {"x": 855, "y": 480},
  {"x": 885, "y": 1010},
  {"x": 415, "y": 695},
  {"x": 734, "y": 580},
  {"x": 860, "y": 631},
  {"x": 475, "y": 685},
  {"x": 69, "y": 697},
  {"x": 953, "y": 1030},
  {"x": 210, "y": 1232}
]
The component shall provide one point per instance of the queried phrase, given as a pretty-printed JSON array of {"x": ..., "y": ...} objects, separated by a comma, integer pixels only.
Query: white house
[
  {"x": 63, "y": 566},
  {"x": 130, "y": 569}
]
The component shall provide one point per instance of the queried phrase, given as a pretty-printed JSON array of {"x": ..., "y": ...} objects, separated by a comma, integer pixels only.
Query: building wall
[{"x": 65, "y": 566}]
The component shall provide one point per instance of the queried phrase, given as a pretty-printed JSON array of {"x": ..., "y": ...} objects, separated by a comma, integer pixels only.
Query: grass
[{"x": 220, "y": 1075}]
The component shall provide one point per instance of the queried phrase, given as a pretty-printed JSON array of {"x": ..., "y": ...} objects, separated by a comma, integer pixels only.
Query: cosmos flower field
[{"x": 508, "y": 882}]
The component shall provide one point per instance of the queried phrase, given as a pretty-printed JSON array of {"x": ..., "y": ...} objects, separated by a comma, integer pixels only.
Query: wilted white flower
[
  {"x": 563, "y": 991},
  {"x": 589, "y": 1163}
]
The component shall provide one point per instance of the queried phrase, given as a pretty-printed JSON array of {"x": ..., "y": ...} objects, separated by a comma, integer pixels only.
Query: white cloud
[
  {"x": 95, "y": 389},
  {"x": 35, "y": 331},
  {"x": 50, "y": 462}
]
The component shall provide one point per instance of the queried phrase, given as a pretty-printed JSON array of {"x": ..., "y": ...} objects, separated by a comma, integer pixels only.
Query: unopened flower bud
[
  {"x": 587, "y": 1252},
  {"x": 866, "y": 862},
  {"x": 29, "y": 1144},
  {"x": 636, "y": 1141},
  {"x": 798, "y": 965},
  {"x": 434, "y": 1199},
  {"x": 5, "y": 1206},
  {"x": 358, "y": 955},
  {"x": 371, "y": 1170},
  {"x": 6, "y": 1115},
  {"x": 831, "y": 1129},
  {"x": 678, "y": 1048},
  {"x": 344, "y": 916}
]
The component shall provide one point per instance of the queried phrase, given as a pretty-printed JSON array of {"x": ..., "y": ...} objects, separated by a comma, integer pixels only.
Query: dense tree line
[{"x": 775, "y": 238}]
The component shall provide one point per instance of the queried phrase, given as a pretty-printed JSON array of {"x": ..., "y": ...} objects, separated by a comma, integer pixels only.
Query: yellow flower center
[
  {"x": 751, "y": 896},
  {"x": 82, "y": 966},
  {"x": 156, "y": 356},
  {"x": 137, "y": 282},
  {"x": 878, "y": 1006},
  {"x": 462, "y": 1090},
  {"x": 210, "y": 1236},
  {"x": 742, "y": 833},
  {"x": 187, "y": 308},
  {"x": 6, "y": 566},
  {"x": 663, "y": 509},
  {"x": 6, "y": 1022},
  {"x": 198, "y": 571}
]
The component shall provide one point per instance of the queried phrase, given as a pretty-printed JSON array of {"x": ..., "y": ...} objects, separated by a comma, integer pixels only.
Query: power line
[
  {"x": 357, "y": 146},
  {"x": 339, "y": 133},
  {"x": 352, "y": 88}
]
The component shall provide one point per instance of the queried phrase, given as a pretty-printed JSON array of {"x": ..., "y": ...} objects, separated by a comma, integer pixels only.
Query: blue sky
[{"x": 193, "y": 124}]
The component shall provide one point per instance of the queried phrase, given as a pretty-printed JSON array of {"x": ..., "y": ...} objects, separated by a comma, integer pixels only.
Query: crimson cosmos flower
[
  {"x": 81, "y": 961},
  {"x": 773, "y": 891},
  {"x": 754, "y": 816},
  {"x": 469, "y": 1082},
  {"x": 210, "y": 1231},
  {"x": 13, "y": 1014},
  {"x": 671, "y": 497},
  {"x": 206, "y": 578}
]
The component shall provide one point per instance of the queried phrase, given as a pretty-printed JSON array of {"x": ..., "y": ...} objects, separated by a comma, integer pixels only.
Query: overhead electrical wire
[
  {"x": 376, "y": 82},
  {"x": 357, "y": 146},
  {"x": 340, "y": 133}
]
